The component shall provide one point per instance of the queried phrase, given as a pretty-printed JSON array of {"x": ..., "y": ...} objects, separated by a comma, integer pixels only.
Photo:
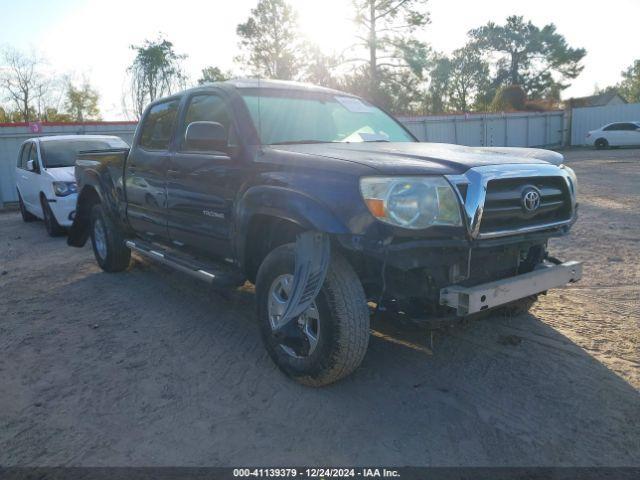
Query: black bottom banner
[{"x": 304, "y": 473}]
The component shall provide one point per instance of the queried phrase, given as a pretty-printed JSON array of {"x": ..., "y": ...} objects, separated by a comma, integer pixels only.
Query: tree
[
  {"x": 399, "y": 92},
  {"x": 393, "y": 55},
  {"x": 611, "y": 88},
  {"x": 10, "y": 116},
  {"x": 213, "y": 74},
  {"x": 468, "y": 78},
  {"x": 458, "y": 82},
  {"x": 23, "y": 82},
  {"x": 511, "y": 98},
  {"x": 538, "y": 59},
  {"x": 156, "y": 71},
  {"x": 319, "y": 68},
  {"x": 629, "y": 87},
  {"x": 270, "y": 41},
  {"x": 82, "y": 102},
  {"x": 51, "y": 114},
  {"x": 436, "y": 99}
]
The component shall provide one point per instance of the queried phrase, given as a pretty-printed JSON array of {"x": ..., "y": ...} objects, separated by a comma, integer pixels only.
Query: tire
[
  {"x": 50, "y": 223},
  {"x": 27, "y": 216},
  {"x": 342, "y": 321},
  {"x": 108, "y": 242},
  {"x": 601, "y": 143}
]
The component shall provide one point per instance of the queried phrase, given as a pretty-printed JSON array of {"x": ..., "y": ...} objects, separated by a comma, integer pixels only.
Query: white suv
[{"x": 45, "y": 176}]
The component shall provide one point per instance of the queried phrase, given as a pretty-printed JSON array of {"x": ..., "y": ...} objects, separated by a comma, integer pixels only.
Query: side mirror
[
  {"x": 205, "y": 136},
  {"x": 31, "y": 166}
]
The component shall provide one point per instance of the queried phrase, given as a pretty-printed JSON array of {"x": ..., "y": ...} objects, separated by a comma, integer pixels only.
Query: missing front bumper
[{"x": 468, "y": 300}]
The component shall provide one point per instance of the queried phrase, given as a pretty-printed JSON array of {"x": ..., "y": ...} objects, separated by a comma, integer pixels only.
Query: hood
[
  {"x": 62, "y": 174},
  {"x": 421, "y": 158}
]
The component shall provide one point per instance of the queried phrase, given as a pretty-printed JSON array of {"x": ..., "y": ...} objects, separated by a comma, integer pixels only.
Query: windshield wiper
[{"x": 300, "y": 142}]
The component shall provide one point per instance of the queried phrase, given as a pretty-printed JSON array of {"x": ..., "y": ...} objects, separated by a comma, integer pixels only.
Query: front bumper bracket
[{"x": 468, "y": 300}]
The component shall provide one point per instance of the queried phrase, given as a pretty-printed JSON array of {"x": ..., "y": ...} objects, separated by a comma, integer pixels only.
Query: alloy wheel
[
  {"x": 299, "y": 338},
  {"x": 100, "y": 238}
]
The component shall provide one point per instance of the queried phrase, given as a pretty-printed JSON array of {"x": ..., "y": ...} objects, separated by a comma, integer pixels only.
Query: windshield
[
  {"x": 308, "y": 117},
  {"x": 62, "y": 153}
]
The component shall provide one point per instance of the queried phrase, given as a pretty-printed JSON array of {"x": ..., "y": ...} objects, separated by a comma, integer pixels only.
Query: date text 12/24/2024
[{"x": 315, "y": 473}]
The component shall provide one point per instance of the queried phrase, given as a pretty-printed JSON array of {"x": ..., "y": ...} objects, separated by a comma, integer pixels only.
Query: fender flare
[
  {"x": 286, "y": 204},
  {"x": 93, "y": 183}
]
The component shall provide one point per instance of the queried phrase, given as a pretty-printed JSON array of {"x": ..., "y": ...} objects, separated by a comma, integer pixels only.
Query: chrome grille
[
  {"x": 504, "y": 209},
  {"x": 493, "y": 200}
]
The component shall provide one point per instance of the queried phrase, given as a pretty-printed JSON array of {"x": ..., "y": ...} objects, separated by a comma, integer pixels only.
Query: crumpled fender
[
  {"x": 287, "y": 204},
  {"x": 290, "y": 205},
  {"x": 94, "y": 184},
  {"x": 313, "y": 253}
]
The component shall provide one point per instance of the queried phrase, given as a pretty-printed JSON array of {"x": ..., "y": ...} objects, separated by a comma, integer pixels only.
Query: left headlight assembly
[
  {"x": 62, "y": 189},
  {"x": 411, "y": 202}
]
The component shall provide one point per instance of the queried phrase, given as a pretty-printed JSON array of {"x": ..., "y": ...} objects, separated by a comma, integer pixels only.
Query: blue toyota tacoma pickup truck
[{"x": 330, "y": 207}]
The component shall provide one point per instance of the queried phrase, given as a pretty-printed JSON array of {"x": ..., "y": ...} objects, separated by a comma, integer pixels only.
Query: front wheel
[
  {"x": 329, "y": 340},
  {"x": 50, "y": 223},
  {"x": 601, "y": 143},
  {"x": 108, "y": 242}
]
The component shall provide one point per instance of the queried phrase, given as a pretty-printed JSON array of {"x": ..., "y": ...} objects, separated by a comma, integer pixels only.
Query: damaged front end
[
  {"x": 498, "y": 253},
  {"x": 510, "y": 212}
]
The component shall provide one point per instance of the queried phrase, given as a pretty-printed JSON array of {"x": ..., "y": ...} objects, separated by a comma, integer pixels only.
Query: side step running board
[{"x": 224, "y": 277}]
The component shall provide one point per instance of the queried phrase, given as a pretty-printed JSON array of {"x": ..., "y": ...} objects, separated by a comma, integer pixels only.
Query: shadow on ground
[{"x": 149, "y": 367}]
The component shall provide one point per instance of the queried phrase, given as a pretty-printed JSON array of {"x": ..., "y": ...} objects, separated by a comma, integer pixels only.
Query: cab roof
[{"x": 257, "y": 83}]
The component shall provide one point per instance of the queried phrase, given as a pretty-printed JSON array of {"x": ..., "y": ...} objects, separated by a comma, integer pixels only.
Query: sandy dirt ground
[{"x": 150, "y": 368}]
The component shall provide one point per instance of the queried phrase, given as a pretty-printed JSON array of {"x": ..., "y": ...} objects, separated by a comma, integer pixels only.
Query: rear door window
[{"x": 157, "y": 127}]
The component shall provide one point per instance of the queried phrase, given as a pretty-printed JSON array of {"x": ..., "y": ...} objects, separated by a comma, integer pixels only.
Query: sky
[{"x": 91, "y": 38}]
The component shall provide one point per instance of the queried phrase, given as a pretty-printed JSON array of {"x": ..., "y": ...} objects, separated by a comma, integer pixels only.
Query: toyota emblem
[{"x": 531, "y": 200}]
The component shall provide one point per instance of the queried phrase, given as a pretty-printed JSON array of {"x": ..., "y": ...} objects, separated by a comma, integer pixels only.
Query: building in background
[{"x": 606, "y": 99}]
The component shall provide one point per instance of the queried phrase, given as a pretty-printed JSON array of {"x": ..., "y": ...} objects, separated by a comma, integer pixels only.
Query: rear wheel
[
  {"x": 26, "y": 215},
  {"x": 108, "y": 242},
  {"x": 51, "y": 224},
  {"x": 601, "y": 143},
  {"x": 329, "y": 340}
]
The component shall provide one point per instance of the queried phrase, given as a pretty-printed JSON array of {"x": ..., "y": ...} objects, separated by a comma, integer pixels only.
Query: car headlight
[
  {"x": 573, "y": 177},
  {"x": 411, "y": 202},
  {"x": 62, "y": 189}
]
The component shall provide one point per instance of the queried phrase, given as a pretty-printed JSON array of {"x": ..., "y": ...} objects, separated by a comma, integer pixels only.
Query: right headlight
[
  {"x": 411, "y": 202},
  {"x": 62, "y": 189}
]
